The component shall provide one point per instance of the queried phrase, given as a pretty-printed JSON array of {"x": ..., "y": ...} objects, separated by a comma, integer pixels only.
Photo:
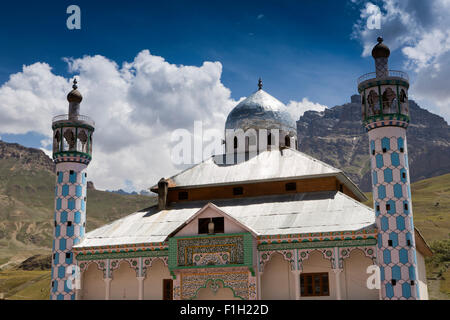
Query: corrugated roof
[
  {"x": 276, "y": 164},
  {"x": 271, "y": 164},
  {"x": 268, "y": 215}
]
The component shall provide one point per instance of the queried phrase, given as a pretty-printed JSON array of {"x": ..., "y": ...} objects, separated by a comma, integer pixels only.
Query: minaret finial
[
  {"x": 75, "y": 87},
  {"x": 260, "y": 85}
]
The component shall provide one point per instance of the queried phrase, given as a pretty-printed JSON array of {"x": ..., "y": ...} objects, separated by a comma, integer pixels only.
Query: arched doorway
[
  {"x": 153, "y": 283},
  {"x": 316, "y": 267},
  {"x": 215, "y": 290},
  {"x": 276, "y": 280},
  {"x": 355, "y": 270},
  {"x": 93, "y": 286},
  {"x": 124, "y": 285}
]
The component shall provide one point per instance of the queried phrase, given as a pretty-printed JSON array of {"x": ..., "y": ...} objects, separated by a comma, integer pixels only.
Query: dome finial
[
  {"x": 75, "y": 87},
  {"x": 74, "y": 95},
  {"x": 260, "y": 85},
  {"x": 380, "y": 39}
]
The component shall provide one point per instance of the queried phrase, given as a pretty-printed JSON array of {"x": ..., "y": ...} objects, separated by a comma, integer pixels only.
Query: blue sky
[
  {"x": 299, "y": 48},
  {"x": 305, "y": 49}
]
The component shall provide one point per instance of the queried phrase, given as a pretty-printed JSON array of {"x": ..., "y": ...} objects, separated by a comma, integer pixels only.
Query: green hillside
[{"x": 27, "y": 204}]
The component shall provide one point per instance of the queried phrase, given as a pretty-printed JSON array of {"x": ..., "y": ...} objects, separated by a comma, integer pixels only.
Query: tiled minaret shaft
[
  {"x": 386, "y": 116},
  {"x": 72, "y": 149}
]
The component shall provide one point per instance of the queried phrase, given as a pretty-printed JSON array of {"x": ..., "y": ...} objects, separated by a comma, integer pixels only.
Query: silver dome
[{"x": 260, "y": 111}]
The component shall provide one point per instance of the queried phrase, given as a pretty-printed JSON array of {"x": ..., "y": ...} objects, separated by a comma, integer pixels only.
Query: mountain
[
  {"x": 336, "y": 136},
  {"x": 27, "y": 182}
]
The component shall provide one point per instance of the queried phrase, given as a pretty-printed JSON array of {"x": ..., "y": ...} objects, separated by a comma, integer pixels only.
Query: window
[
  {"x": 203, "y": 223},
  {"x": 394, "y": 282},
  {"x": 388, "y": 207},
  {"x": 378, "y": 207},
  {"x": 412, "y": 282},
  {"x": 291, "y": 186},
  {"x": 85, "y": 175},
  {"x": 235, "y": 142},
  {"x": 71, "y": 172},
  {"x": 54, "y": 256},
  {"x": 373, "y": 152},
  {"x": 390, "y": 243},
  {"x": 314, "y": 284},
  {"x": 384, "y": 150},
  {"x": 269, "y": 139},
  {"x": 404, "y": 175},
  {"x": 287, "y": 141},
  {"x": 167, "y": 289},
  {"x": 68, "y": 255},
  {"x": 341, "y": 188},
  {"x": 69, "y": 223},
  {"x": 408, "y": 242},
  {"x": 182, "y": 195},
  {"x": 406, "y": 206},
  {"x": 402, "y": 150},
  {"x": 55, "y": 223},
  {"x": 237, "y": 191}
]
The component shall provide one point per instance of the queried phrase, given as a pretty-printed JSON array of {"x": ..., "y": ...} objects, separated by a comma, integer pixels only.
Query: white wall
[
  {"x": 277, "y": 282},
  {"x": 93, "y": 285},
  {"x": 124, "y": 284},
  {"x": 355, "y": 277},
  {"x": 317, "y": 263},
  {"x": 422, "y": 276},
  {"x": 191, "y": 229},
  {"x": 153, "y": 283}
]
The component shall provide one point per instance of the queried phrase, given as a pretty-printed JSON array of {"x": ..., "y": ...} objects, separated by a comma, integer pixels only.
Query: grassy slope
[
  {"x": 432, "y": 220},
  {"x": 27, "y": 204}
]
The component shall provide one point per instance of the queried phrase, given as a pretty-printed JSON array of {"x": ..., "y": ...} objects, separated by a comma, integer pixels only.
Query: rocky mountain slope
[
  {"x": 337, "y": 137},
  {"x": 27, "y": 202}
]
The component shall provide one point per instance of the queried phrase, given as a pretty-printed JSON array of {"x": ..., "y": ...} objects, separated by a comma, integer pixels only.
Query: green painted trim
[
  {"x": 387, "y": 117},
  {"x": 365, "y": 103},
  {"x": 224, "y": 286},
  {"x": 247, "y": 243},
  {"x": 380, "y": 99},
  {"x": 122, "y": 255},
  {"x": 319, "y": 244},
  {"x": 71, "y": 154}
]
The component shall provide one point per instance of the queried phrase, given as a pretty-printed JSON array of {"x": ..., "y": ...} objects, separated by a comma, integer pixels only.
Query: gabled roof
[
  {"x": 268, "y": 165},
  {"x": 216, "y": 209},
  {"x": 298, "y": 213}
]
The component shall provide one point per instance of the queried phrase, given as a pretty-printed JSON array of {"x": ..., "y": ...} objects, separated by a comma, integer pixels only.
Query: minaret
[
  {"x": 386, "y": 116},
  {"x": 72, "y": 150}
]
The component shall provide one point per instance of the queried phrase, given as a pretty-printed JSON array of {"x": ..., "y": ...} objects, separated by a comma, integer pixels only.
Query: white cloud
[
  {"x": 421, "y": 29},
  {"x": 136, "y": 107},
  {"x": 298, "y": 108}
]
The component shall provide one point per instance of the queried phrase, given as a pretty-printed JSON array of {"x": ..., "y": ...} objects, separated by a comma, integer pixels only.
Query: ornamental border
[
  {"x": 122, "y": 255},
  {"x": 317, "y": 244}
]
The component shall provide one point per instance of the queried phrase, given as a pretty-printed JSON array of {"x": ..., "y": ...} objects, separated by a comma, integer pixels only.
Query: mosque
[{"x": 261, "y": 221}]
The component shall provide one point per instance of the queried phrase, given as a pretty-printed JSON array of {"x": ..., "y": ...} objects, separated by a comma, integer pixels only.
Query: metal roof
[
  {"x": 298, "y": 213},
  {"x": 260, "y": 111},
  {"x": 276, "y": 164}
]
